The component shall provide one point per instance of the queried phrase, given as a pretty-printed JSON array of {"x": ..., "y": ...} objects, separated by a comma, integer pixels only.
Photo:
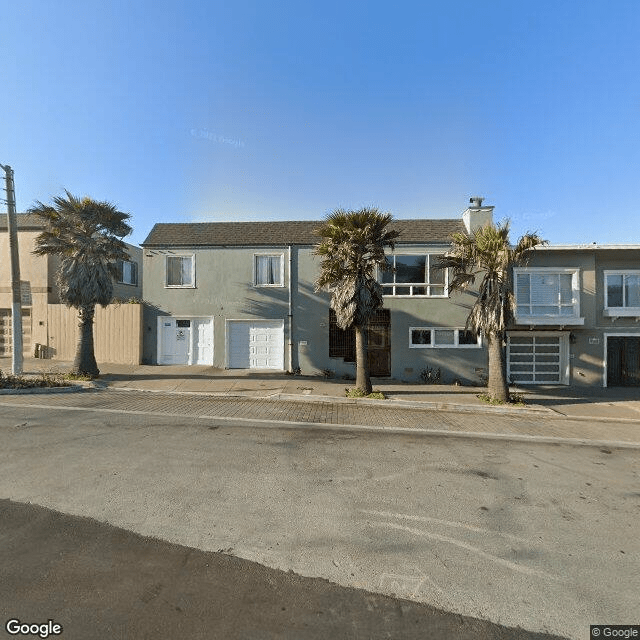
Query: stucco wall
[
  {"x": 224, "y": 290},
  {"x": 587, "y": 348}
]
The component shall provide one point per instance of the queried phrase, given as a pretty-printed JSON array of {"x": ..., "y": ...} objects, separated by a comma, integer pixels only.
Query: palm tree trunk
[
  {"x": 497, "y": 384},
  {"x": 363, "y": 381},
  {"x": 85, "y": 360}
]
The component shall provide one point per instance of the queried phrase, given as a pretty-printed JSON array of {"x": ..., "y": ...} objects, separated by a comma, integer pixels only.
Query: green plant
[
  {"x": 358, "y": 393},
  {"x": 430, "y": 376},
  {"x": 77, "y": 376},
  {"x": 45, "y": 379},
  {"x": 487, "y": 255},
  {"x": 352, "y": 251},
  {"x": 516, "y": 399}
]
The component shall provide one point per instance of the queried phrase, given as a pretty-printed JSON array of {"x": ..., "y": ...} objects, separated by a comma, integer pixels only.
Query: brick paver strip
[{"x": 329, "y": 412}]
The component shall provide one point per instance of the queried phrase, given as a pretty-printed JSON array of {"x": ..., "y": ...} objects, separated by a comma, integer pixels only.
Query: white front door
[
  {"x": 203, "y": 336},
  {"x": 256, "y": 344},
  {"x": 174, "y": 337}
]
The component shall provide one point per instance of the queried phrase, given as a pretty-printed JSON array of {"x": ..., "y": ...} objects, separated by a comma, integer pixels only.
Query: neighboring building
[
  {"x": 577, "y": 317},
  {"x": 38, "y": 286},
  {"x": 241, "y": 295}
]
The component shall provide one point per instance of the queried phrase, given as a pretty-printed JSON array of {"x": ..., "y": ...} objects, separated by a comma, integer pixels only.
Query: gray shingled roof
[
  {"x": 25, "y": 221},
  {"x": 211, "y": 234}
]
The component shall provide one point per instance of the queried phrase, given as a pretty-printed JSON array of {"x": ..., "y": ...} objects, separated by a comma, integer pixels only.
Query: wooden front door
[
  {"x": 379, "y": 344},
  {"x": 623, "y": 361}
]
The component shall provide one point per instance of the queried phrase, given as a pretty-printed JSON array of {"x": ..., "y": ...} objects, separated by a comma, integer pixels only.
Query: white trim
[
  {"x": 426, "y": 285},
  {"x": 273, "y": 254},
  {"x": 613, "y": 334},
  {"x": 193, "y": 271},
  {"x": 456, "y": 338},
  {"x": 623, "y": 311},
  {"x": 122, "y": 281},
  {"x": 192, "y": 338},
  {"x": 564, "y": 353},
  {"x": 550, "y": 319},
  {"x": 256, "y": 320}
]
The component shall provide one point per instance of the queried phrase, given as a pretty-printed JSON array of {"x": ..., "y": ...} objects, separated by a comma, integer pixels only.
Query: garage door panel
[
  {"x": 256, "y": 345},
  {"x": 536, "y": 359}
]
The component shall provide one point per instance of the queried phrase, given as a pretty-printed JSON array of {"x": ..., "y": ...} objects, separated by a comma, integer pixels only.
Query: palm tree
[
  {"x": 487, "y": 253},
  {"x": 352, "y": 246},
  {"x": 85, "y": 234}
]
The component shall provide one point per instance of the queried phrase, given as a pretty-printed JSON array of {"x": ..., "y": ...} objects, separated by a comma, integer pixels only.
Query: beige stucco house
[{"x": 45, "y": 321}]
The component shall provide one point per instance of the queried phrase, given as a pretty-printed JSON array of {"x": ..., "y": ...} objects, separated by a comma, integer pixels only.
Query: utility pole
[{"x": 16, "y": 297}]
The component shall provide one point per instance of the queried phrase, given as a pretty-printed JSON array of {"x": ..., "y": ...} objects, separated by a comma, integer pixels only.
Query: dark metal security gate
[{"x": 623, "y": 361}]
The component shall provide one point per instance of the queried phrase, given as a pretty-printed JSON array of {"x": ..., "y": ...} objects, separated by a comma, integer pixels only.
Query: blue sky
[{"x": 195, "y": 111}]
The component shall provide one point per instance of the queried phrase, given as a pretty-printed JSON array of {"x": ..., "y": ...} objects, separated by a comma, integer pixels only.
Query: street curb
[
  {"x": 529, "y": 412},
  {"x": 331, "y": 426},
  {"x": 418, "y": 404},
  {"x": 390, "y": 403},
  {"x": 38, "y": 390}
]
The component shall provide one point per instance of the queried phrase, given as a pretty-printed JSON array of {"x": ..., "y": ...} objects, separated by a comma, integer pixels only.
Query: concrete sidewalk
[{"x": 616, "y": 404}]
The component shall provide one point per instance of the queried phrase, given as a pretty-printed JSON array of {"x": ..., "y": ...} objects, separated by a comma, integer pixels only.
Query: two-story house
[
  {"x": 39, "y": 290},
  {"x": 577, "y": 317},
  {"x": 241, "y": 295}
]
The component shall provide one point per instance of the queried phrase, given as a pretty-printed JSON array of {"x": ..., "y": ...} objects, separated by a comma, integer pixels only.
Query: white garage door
[{"x": 256, "y": 345}]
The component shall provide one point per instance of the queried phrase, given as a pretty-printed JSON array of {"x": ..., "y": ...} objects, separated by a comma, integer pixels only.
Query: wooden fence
[{"x": 117, "y": 333}]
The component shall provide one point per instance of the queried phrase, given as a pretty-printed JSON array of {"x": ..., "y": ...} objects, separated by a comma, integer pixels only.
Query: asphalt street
[{"x": 519, "y": 534}]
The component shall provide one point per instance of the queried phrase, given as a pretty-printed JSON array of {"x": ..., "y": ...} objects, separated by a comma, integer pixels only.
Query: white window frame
[
  {"x": 121, "y": 279},
  {"x": 456, "y": 338},
  {"x": 269, "y": 254},
  {"x": 624, "y": 310},
  {"x": 193, "y": 271},
  {"x": 426, "y": 285},
  {"x": 555, "y": 319}
]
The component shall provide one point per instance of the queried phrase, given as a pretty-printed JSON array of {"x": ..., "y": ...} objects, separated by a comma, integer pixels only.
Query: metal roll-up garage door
[{"x": 255, "y": 344}]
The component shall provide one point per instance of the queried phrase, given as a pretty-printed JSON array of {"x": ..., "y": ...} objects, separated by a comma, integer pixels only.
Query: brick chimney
[{"x": 476, "y": 215}]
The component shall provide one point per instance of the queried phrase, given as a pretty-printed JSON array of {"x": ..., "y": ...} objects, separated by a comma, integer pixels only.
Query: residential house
[
  {"x": 241, "y": 295},
  {"x": 577, "y": 317},
  {"x": 40, "y": 299}
]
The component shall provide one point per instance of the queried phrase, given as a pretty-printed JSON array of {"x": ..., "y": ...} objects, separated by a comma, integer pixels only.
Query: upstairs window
[
  {"x": 269, "y": 270},
  {"x": 549, "y": 294},
  {"x": 414, "y": 275},
  {"x": 622, "y": 292},
  {"x": 180, "y": 271},
  {"x": 127, "y": 272}
]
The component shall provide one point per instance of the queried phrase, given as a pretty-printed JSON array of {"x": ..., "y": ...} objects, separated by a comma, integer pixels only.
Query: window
[
  {"x": 180, "y": 271},
  {"x": 548, "y": 296},
  {"x": 440, "y": 337},
  {"x": 622, "y": 293},
  {"x": 342, "y": 342},
  {"x": 127, "y": 272},
  {"x": 269, "y": 271},
  {"x": 414, "y": 275}
]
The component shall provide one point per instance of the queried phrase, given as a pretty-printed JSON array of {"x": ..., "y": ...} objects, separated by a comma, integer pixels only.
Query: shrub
[{"x": 430, "y": 376}]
